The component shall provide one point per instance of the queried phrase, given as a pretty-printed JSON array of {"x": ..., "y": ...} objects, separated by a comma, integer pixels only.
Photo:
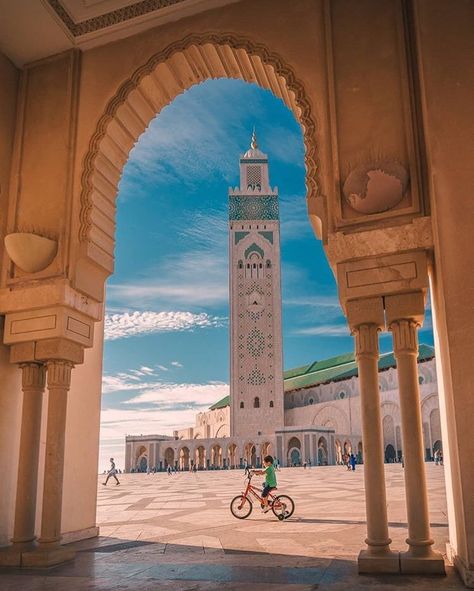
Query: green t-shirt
[{"x": 270, "y": 476}]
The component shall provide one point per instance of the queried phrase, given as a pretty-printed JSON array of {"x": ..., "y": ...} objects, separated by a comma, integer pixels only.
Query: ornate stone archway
[{"x": 139, "y": 99}]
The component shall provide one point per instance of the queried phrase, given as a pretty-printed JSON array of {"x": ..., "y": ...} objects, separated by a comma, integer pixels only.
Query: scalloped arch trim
[{"x": 154, "y": 85}]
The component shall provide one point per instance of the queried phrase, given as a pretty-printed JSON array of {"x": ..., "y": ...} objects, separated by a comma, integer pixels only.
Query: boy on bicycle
[{"x": 270, "y": 480}]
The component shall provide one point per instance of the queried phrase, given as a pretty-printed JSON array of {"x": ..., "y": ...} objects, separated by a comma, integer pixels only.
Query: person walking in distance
[{"x": 111, "y": 472}]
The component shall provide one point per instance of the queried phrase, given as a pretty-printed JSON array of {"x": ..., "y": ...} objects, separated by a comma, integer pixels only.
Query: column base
[
  {"x": 387, "y": 562},
  {"x": 431, "y": 564},
  {"x": 10, "y": 556},
  {"x": 47, "y": 557}
]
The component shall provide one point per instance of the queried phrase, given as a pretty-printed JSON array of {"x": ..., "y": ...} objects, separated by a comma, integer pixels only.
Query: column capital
[
  {"x": 32, "y": 376},
  {"x": 366, "y": 341},
  {"x": 59, "y": 374},
  {"x": 405, "y": 337}
]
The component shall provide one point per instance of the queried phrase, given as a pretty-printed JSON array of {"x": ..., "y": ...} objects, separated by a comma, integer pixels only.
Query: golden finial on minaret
[{"x": 253, "y": 141}]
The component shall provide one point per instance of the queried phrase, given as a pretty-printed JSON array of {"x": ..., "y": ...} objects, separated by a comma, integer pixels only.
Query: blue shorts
[{"x": 266, "y": 489}]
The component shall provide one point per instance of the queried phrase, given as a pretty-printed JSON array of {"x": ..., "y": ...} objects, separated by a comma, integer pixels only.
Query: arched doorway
[
  {"x": 390, "y": 454},
  {"x": 322, "y": 451},
  {"x": 266, "y": 451},
  {"x": 294, "y": 452},
  {"x": 233, "y": 460},
  {"x": 184, "y": 458},
  {"x": 200, "y": 457},
  {"x": 250, "y": 454},
  {"x": 141, "y": 462},
  {"x": 216, "y": 456},
  {"x": 169, "y": 457}
]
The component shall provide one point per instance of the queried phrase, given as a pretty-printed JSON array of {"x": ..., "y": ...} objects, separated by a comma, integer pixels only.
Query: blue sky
[{"x": 166, "y": 352}]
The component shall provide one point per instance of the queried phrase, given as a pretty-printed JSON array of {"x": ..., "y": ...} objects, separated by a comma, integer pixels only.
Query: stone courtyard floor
[{"x": 176, "y": 533}]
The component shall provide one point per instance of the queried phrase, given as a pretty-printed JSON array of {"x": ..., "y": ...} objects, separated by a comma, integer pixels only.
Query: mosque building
[{"x": 307, "y": 414}]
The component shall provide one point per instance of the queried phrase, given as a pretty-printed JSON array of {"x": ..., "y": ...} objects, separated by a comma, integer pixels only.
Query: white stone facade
[{"x": 321, "y": 423}]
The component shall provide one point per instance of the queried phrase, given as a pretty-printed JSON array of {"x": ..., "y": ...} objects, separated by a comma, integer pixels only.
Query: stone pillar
[
  {"x": 366, "y": 317},
  {"x": 404, "y": 316},
  {"x": 49, "y": 551},
  {"x": 33, "y": 381}
]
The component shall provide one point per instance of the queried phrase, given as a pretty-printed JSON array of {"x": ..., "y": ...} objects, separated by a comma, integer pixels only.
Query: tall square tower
[{"x": 256, "y": 374}]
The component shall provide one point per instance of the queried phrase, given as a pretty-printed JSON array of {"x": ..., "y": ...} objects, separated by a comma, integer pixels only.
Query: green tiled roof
[
  {"x": 339, "y": 368},
  {"x": 223, "y": 402},
  {"x": 333, "y": 369}
]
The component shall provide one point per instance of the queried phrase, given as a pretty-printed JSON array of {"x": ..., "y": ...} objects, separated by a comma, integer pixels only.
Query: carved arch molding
[{"x": 139, "y": 99}]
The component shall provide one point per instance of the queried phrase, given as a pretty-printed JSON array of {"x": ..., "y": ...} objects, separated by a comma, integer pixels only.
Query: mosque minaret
[
  {"x": 310, "y": 413},
  {"x": 256, "y": 365}
]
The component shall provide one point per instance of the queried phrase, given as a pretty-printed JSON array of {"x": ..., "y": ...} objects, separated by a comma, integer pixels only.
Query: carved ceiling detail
[{"x": 114, "y": 17}]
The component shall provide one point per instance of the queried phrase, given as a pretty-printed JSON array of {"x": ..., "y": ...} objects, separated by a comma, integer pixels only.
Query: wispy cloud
[
  {"x": 189, "y": 142},
  {"x": 328, "y": 330},
  {"x": 171, "y": 396},
  {"x": 119, "y": 326},
  {"x": 176, "y": 364}
]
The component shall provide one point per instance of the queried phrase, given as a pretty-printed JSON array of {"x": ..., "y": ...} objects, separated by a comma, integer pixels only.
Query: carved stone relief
[{"x": 376, "y": 186}]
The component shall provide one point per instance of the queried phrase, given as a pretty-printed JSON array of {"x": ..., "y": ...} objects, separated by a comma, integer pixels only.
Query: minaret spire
[{"x": 253, "y": 141}]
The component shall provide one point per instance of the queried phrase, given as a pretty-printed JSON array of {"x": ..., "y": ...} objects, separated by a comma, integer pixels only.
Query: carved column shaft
[
  {"x": 367, "y": 355},
  {"x": 33, "y": 381},
  {"x": 59, "y": 380},
  {"x": 405, "y": 344}
]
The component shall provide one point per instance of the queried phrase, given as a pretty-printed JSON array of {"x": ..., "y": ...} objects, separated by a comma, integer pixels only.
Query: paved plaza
[{"x": 176, "y": 533}]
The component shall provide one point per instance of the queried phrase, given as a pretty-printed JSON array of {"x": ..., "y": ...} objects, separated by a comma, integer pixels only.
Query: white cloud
[
  {"x": 171, "y": 395},
  {"x": 176, "y": 364},
  {"x": 162, "y": 367},
  {"x": 169, "y": 407},
  {"x": 128, "y": 324},
  {"x": 325, "y": 330}
]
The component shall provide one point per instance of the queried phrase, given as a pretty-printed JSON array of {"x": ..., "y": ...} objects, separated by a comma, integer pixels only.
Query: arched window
[
  {"x": 271, "y": 403},
  {"x": 256, "y": 402},
  {"x": 268, "y": 264},
  {"x": 421, "y": 380},
  {"x": 241, "y": 405},
  {"x": 311, "y": 400},
  {"x": 240, "y": 265}
]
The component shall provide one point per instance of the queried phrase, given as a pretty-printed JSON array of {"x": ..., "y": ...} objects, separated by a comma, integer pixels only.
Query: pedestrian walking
[
  {"x": 111, "y": 472},
  {"x": 352, "y": 461}
]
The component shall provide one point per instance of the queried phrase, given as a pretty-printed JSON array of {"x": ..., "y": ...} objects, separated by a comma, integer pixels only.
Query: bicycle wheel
[
  {"x": 240, "y": 507},
  {"x": 283, "y": 506}
]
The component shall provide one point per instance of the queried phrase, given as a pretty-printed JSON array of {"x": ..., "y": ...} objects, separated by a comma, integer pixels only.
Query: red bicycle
[{"x": 241, "y": 506}]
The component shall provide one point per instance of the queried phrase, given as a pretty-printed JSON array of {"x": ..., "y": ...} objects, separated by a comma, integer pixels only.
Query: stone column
[
  {"x": 366, "y": 318},
  {"x": 49, "y": 551},
  {"x": 420, "y": 558},
  {"x": 33, "y": 381}
]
